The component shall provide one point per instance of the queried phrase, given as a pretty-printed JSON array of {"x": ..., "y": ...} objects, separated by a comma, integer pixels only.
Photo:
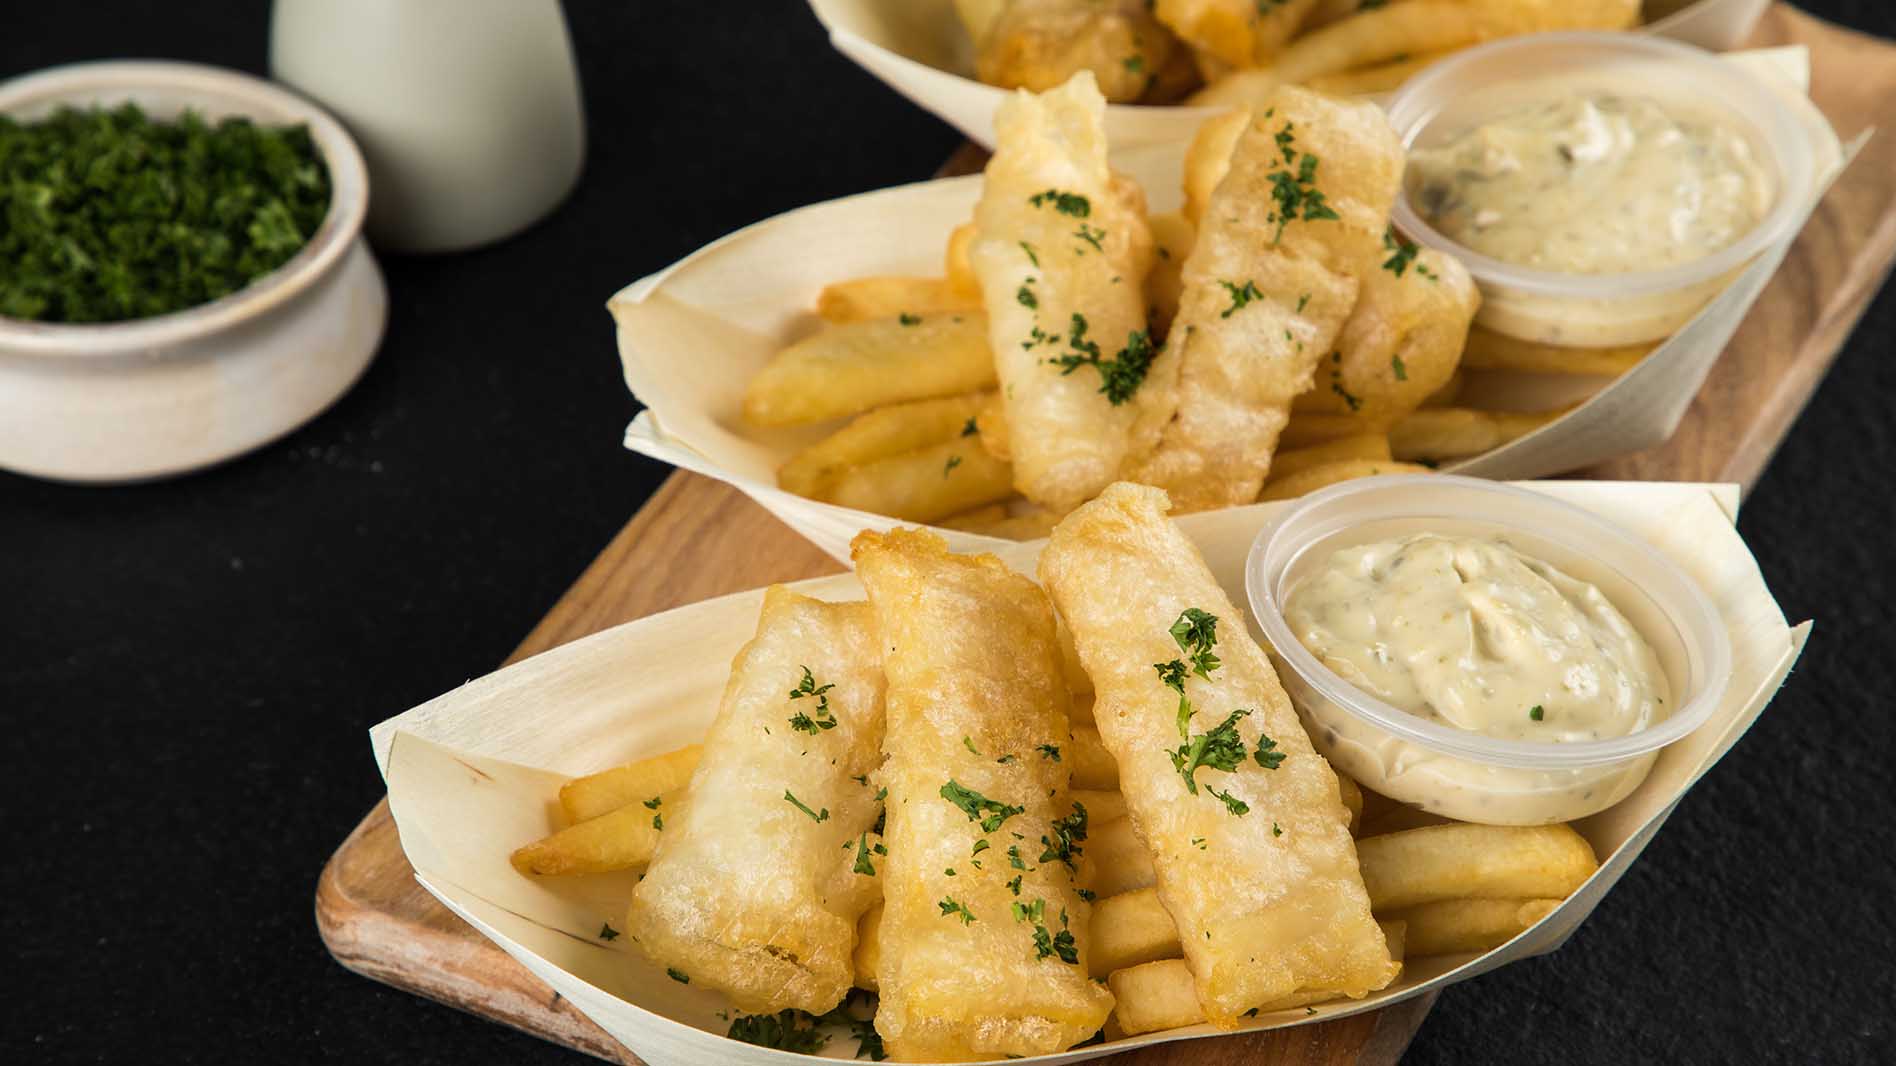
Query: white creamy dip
[
  {"x": 1593, "y": 183},
  {"x": 1470, "y": 633}
]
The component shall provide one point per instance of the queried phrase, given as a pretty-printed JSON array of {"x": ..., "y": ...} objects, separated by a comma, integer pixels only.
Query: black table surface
[{"x": 188, "y": 668}]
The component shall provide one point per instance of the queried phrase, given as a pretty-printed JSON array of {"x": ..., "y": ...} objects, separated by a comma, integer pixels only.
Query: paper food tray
[
  {"x": 919, "y": 49},
  {"x": 475, "y": 773},
  {"x": 691, "y": 335}
]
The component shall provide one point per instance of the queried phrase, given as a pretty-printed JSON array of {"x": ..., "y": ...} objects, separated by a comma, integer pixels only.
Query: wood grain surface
[{"x": 698, "y": 538}]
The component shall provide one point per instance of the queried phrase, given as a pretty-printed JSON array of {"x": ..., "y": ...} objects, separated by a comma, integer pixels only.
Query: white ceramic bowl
[{"x": 126, "y": 401}]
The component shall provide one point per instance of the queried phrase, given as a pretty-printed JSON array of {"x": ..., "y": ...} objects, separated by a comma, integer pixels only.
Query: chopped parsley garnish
[
  {"x": 1199, "y": 843},
  {"x": 1029, "y": 249},
  {"x": 991, "y": 813},
  {"x": 1402, "y": 252},
  {"x": 1267, "y": 754},
  {"x": 949, "y": 466},
  {"x": 1232, "y": 803},
  {"x": 1135, "y": 64},
  {"x": 1026, "y": 296},
  {"x": 968, "y": 742},
  {"x": 1296, "y": 194},
  {"x": 677, "y": 976},
  {"x": 1048, "y": 751},
  {"x": 1276, "y": 831},
  {"x": 786, "y": 1030},
  {"x": 1221, "y": 749},
  {"x": 658, "y": 820},
  {"x": 863, "y": 865},
  {"x": 1061, "y": 944},
  {"x": 950, "y": 871},
  {"x": 1013, "y": 857},
  {"x": 1085, "y": 894},
  {"x": 1241, "y": 296},
  {"x": 1303, "y": 302},
  {"x": 970, "y": 428},
  {"x": 1067, "y": 834},
  {"x": 1401, "y": 370},
  {"x": 108, "y": 215},
  {"x": 824, "y": 719},
  {"x": 980, "y": 846},
  {"x": 1537, "y": 712},
  {"x": 1067, "y": 203},
  {"x": 607, "y": 932},
  {"x": 1196, "y": 633},
  {"x": 1091, "y": 235},
  {"x": 654, "y": 803},
  {"x": 950, "y": 907},
  {"x": 1348, "y": 398},
  {"x": 814, "y": 816},
  {"x": 1120, "y": 376},
  {"x": 1014, "y": 885},
  {"x": 909, "y": 320}
]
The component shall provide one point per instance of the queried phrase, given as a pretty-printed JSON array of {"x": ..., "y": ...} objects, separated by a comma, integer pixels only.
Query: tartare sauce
[
  {"x": 1470, "y": 633},
  {"x": 1593, "y": 183}
]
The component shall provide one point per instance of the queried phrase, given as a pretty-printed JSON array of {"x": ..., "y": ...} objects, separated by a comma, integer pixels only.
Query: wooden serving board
[{"x": 697, "y": 538}]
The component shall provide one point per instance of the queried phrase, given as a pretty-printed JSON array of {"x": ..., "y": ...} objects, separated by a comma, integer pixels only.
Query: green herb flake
[
  {"x": 677, "y": 976},
  {"x": 991, "y": 813},
  {"x": 970, "y": 428},
  {"x": 1537, "y": 712},
  {"x": 1048, "y": 751},
  {"x": 949, "y": 907},
  {"x": 1241, "y": 296},
  {"x": 1066, "y": 203},
  {"x": 1026, "y": 296},
  {"x": 786, "y": 1030},
  {"x": 1401, "y": 370},
  {"x": 907, "y": 319},
  {"x": 1120, "y": 376},
  {"x": 799, "y": 805},
  {"x": 107, "y": 215},
  {"x": 949, "y": 466},
  {"x": 607, "y": 932},
  {"x": 823, "y": 719},
  {"x": 1267, "y": 754},
  {"x": 863, "y": 865}
]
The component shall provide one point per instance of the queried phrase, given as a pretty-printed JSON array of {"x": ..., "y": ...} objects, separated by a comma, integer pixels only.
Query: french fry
[
  {"x": 1207, "y": 159},
  {"x": 1031, "y": 524},
  {"x": 1380, "y": 78},
  {"x": 1450, "y": 390},
  {"x": 588, "y": 797},
  {"x": 1155, "y": 996},
  {"x": 1372, "y": 446},
  {"x": 976, "y": 520},
  {"x": 1221, "y": 29},
  {"x": 1352, "y": 798},
  {"x": 1173, "y": 234},
  {"x": 1318, "y": 477},
  {"x": 1102, "y": 805},
  {"x": 1162, "y": 994},
  {"x": 617, "y": 840},
  {"x": 1092, "y": 767},
  {"x": 1442, "y": 433},
  {"x": 1328, "y": 11},
  {"x": 1453, "y": 926},
  {"x": 868, "y": 947},
  {"x": 880, "y": 434},
  {"x": 1385, "y": 33},
  {"x": 960, "y": 270},
  {"x": 991, "y": 424},
  {"x": 1129, "y": 929},
  {"x": 1306, "y": 429},
  {"x": 864, "y": 298},
  {"x": 1488, "y": 350},
  {"x": 1399, "y": 817},
  {"x": 1120, "y": 860},
  {"x": 924, "y": 485},
  {"x": 1417, "y": 866},
  {"x": 847, "y": 369},
  {"x": 1276, "y": 24}
]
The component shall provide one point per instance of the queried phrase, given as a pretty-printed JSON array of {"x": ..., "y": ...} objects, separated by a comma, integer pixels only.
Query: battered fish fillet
[
  {"x": 1256, "y": 866},
  {"x": 1061, "y": 251},
  {"x": 983, "y": 928},
  {"x": 1038, "y": 44},
  {"x": 1289, "y": 232},
  {"x": 1404, "y": 339},
  {"x": 754, "y": 889}
]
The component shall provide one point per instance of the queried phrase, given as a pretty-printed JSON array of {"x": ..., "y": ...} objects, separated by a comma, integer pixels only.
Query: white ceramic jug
[{"x": 467, "y": 111}]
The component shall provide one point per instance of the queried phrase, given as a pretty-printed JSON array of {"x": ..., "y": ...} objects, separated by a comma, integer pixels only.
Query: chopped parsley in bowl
[{"x": 107, "y": 215}]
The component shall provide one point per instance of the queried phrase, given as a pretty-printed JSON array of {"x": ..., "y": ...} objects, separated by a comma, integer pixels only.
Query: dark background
[{"x": 187, "y": 669}]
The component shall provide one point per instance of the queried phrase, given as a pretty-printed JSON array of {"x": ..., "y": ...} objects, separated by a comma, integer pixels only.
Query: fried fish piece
[
  {"x": 1294, "y": 225},
  {"x": 1404, "y": 339},
  {"x": 1245, "y": 822},
  {"x": 1038, "y": 44},
  {"x": 1062, "y": 250},
  {"x": 783, "y": 775},
  {"x": 983, "y": 935}
]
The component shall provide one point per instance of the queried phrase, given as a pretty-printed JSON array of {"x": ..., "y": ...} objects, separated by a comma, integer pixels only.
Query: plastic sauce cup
[
  {"x": 1603, "y": 310},
  {"x": 1453, "y": 772}
]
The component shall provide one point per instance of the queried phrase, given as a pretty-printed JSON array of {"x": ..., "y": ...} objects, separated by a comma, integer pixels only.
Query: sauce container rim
[
  {"x": 1700, "y": 628},
  {"x": 1752, "y": 103}
]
